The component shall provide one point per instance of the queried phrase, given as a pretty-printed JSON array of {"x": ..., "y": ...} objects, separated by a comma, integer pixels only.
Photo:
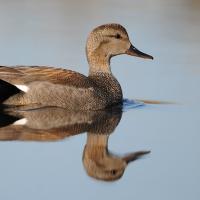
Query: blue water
[{"x": 130, "y": 104}]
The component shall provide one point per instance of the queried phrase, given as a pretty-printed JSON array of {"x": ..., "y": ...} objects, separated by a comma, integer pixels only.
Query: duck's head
[
  {"x": 100, "y": 163},
  {"x": 110, "y": 40}
]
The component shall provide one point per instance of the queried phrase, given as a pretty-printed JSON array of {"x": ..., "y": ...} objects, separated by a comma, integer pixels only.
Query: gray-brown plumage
[{"x": 48, "y": 86}]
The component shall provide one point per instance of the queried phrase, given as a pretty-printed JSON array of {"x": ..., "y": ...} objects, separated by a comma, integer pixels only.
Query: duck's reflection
[
  {"x": 52, "y": 124},
  {"x": 100, "y": 163}
]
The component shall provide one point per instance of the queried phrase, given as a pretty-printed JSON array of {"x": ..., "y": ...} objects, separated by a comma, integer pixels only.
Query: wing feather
[{"x": 24, "y": 75}]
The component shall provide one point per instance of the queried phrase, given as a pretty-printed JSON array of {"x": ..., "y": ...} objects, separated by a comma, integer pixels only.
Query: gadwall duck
[{"x": 48, "y": 86}]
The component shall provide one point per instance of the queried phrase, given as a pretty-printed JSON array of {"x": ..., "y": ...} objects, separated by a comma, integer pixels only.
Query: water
[{"x": 53, "y": 33}]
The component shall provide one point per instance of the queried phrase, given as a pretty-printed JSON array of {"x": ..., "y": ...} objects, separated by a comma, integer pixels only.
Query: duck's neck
[
  {"x": 96, "y": 146},
  {"x": 94, "y": 139},
  {"x": 100, "y": 73},
  {"x": 99, "y": 62}
]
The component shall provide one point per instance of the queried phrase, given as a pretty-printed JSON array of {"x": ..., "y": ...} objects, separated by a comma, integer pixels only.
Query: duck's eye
[
  {"x": 113, "y": 172},
  {"x": 118, "y": 36}
]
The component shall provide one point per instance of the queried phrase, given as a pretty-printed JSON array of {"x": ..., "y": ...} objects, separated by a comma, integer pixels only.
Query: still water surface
[{"x": 51, "y": 160}]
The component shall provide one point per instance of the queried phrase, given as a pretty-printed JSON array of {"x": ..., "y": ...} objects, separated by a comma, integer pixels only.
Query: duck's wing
[{"x": 23, "y": 75}]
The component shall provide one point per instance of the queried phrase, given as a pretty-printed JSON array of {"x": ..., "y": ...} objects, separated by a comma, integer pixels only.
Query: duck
[{"x": 60, "y": 87}]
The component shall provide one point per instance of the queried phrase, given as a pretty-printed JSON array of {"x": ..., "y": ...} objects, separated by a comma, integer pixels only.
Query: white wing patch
[
  {"x": 21, "y": 122},
  {"x": 23, "y": 88}
]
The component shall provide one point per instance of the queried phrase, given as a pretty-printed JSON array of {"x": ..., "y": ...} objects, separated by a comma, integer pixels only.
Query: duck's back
[
  {"x": 49, "y": 86},
  {"x": 24, "y": 75}
]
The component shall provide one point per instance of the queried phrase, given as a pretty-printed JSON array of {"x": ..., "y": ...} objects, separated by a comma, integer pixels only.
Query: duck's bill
[
  {"x": 134, "y": 156},
  {"x": 135, "y": 52}
]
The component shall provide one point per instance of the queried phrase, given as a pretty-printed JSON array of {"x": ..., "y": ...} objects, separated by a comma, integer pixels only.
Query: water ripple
[{"x": 130, "y": 104}]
